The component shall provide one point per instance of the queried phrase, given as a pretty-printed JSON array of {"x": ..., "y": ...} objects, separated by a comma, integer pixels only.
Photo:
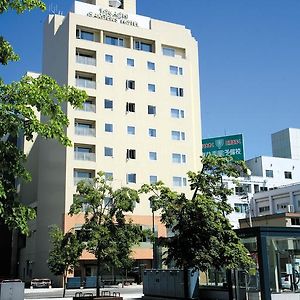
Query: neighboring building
[
  {"x": 286, "y": 143},
  {"x": 267, "y": 174},
  {"x": 278, "y": 200},
  {"x": 140, "y": 124},
  {"x": 284, "y": 219}
]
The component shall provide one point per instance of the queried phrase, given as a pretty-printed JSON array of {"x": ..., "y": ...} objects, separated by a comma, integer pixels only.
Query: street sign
[{"x": 231, "y": 145}]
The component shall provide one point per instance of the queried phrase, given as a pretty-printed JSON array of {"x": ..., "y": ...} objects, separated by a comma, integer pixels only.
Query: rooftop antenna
[{"x": 53, "y": 9}]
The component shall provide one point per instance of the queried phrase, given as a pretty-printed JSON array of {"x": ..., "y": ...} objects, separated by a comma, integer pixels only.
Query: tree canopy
[
  {"x": 21, "y": 105},
  {"x": 64, "y": 254},
  {"x": 202, "y": 236},
  {"x": 107, "y": 233}
]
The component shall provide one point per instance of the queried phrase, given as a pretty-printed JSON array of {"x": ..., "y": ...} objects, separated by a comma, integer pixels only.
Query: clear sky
[{"x": 249, "y": 54}]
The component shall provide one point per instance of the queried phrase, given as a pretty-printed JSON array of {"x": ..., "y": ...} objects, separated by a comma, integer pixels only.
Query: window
[
  {"x": 108, "y": 80},
  {"x": 108, "y": 104},
  {"x": 85, "y": 80},
  {"x": 177, "y": 135},
  {"x": 131, "y": 178},
  {"x": 239, "y": 190},
  {"x": 89, "y": 105},
  {"x": 282, "y": 206},
  {"x": 109, "y": 58},
  {"x": 288, "y": 175},
  {"x": 131, "y": 130},
  {"x": 130, "y": 62},
  {"x": 153, "y": 179},
  {"x": 108, "y": 176},
  {"x": 86, "y": 129},
  {"x": 108, "y": 151},
  {"x": 115, "y": 41},
  {"x": 241, "y": 208},
  {"x": 295, "y": 221},
  {"x": 179, "y": 181},
  {"x": 178, "y": 158},
  {"x": 152, "y": 132},
  {"x": 152, "y": 155},
  {"x": 264, "y": 209},
  {"x": 269, "y": 173},
  {"x": 131, "y": 154},
  {"x": 85, "y": 57},
  {"x": 175, "y": 91},
  {"x": 151, "y": 110},
  {"x": 82, "y": 174},
  {"x": 108, "y": 127},
  {"x": 82, "y": 152},
  {"x": 151, "y": 87},
  {"x": 130, "y": 84},
  {"x": 168, "y": 51},
  {"x": 130, "y": 107},
  {"x": 263, "y": 188},
  {"x": 177, "y": 113},
  {"x": 151, "y": 65},
  {"x": 176, "y": 70},
  {"x": 143, "y": 46},
  {"x": 85, "y": 35}
]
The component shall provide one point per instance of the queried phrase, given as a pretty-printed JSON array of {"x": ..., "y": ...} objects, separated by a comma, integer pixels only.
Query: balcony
[
  {"x": 88, "y": 107},
  {"x": 85, "y": 83},
  {"x": 85, "y": 131},
  {"x": 78, "y": 179},
  {"x": 86, "y": 60},
  {"x": 84, "y": 156}
]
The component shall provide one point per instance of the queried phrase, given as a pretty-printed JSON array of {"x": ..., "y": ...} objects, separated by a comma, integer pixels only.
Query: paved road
[{"x": 128, "y": 292}]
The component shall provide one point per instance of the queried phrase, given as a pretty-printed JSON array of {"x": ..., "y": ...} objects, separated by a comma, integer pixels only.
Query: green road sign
[{"x": 231, "y": 145}]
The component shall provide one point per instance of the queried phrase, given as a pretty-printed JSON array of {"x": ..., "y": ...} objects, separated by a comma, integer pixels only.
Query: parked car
[{"x": 40, "y": 283}]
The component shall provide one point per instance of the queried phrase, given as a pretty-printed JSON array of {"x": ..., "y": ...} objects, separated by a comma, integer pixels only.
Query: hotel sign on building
[
  {"x": 111, "y": 15},
  {"x": 231, "y": 145}
]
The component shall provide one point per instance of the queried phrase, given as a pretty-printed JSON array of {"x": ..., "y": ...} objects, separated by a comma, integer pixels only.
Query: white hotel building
[{"x": 140, "y": 124}]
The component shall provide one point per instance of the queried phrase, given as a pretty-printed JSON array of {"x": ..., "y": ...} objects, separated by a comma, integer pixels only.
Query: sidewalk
[{"x": 127, "y": 292}]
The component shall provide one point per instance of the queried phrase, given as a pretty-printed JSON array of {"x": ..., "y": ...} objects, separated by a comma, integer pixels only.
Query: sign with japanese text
[
  {"x": 110, "y": 14},
  {"x": 231, "y": 145}
]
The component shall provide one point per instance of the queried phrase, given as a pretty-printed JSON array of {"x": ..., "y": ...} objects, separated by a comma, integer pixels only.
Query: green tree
[
  {"x": 202, "y": 236},
  {"x": 64, "y": 255},
  {"x": 20, "y": 105},
  {"x": 108, "y": 234}
]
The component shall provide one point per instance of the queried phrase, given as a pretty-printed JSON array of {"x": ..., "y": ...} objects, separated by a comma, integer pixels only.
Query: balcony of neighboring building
[
  {"x": 85, "y": 128},
  {"x": 89, "y": 105},
  {"x": 85, "y": 57},
  {"x": 85, "y": 80},
  {"x": 84, "y": 152}
]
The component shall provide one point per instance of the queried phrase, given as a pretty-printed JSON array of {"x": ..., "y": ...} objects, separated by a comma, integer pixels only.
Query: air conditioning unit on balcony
[{"x": 290, "y": 208}]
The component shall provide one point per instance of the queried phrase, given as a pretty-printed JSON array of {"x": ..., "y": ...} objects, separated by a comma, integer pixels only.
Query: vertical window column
[{"x": 101, "y": 37}]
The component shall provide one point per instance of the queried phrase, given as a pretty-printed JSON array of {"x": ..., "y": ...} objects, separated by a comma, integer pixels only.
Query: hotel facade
[{"x": 140, "y": 124}]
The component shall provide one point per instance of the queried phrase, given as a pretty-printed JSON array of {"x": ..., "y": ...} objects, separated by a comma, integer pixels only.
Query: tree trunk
[
  {"x": 186, "y": 282},
  {"x": 64, "y": 283},
  {"x": 98, "y": 277}
]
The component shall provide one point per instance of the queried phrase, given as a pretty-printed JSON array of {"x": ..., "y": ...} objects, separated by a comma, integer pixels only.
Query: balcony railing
[
  {"x": 85, "y": 131},
  {"x": 85, "y": 83},
  {"x": 84, "y": 156},
  {"x": 78, "y": 179},
  {"x": 88, "y": 107},
  {"x": 86, "y": 60}
]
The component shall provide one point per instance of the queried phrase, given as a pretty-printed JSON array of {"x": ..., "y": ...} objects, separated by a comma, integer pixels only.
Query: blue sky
[{"x": 249, "y": 54}]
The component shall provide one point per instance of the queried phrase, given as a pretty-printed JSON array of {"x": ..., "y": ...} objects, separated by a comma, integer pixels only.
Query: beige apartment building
[{"x": 140, "y": 124}]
